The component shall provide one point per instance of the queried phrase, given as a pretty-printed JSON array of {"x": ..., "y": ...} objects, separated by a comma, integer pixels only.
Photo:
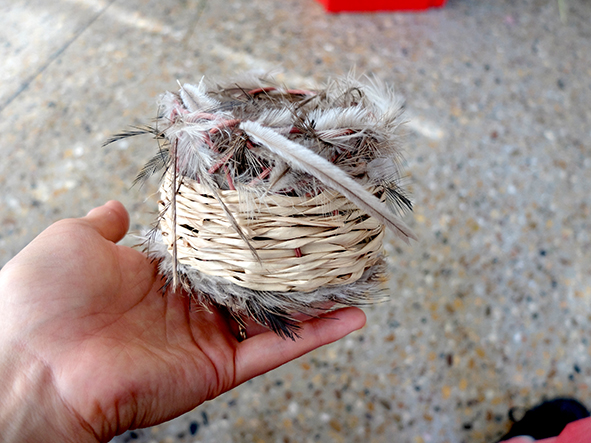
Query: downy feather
[{"x": 195, "y": 98}]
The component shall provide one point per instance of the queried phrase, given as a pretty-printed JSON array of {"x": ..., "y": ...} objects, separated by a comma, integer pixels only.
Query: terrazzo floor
[{"x": 489, "y": 310}]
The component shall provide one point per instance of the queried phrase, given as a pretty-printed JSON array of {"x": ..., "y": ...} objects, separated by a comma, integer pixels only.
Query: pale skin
[{"x": 90, "y": 347}]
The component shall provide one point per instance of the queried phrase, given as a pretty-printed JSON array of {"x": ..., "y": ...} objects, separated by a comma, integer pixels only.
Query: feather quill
[{"x": 301, "y": 158}]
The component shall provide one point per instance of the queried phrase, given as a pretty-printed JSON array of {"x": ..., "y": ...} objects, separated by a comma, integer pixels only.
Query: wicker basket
[
  {"x": 301, "y": 243},
  {"x": 274, "y": 201}
]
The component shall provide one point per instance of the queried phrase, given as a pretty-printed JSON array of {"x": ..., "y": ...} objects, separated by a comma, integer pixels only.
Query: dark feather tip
[{"x": 137, "y": 130}]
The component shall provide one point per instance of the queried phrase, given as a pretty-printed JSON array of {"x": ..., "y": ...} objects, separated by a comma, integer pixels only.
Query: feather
[
  {"x": 137, "y": 130},
  {"x": 235, "y": 224},
  {"x": 330, "y": 175},
  {"x": 195, "y": 98},
  {"x": 383, "y": 169},
  {"x": 276, "y": 117},
  {"x": 155, "y": 164},
  {"x": 354, "y": 118},
  {"x": 397, "y": 199}
]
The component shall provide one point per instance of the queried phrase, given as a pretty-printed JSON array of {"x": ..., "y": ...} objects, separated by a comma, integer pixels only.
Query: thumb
[{"x": 110, "y": 220}]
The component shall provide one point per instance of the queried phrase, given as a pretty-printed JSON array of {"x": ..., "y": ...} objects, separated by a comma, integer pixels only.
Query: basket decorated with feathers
[{"x": 274, "y": 201}]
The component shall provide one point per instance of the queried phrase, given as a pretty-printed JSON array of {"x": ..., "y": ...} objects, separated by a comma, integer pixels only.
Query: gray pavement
[{"x": 490, "y": 309}]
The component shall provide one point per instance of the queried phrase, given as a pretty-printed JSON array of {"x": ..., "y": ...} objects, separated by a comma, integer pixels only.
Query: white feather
[
  {"x": 168, "y": 101},
  {"x": 276, "y": 118},
  {"x": 354, "y": 117},
  {"x": 330, "y": 175},
  {"x": 195, "y": 98},
  {"x": 383, "y": 99}
]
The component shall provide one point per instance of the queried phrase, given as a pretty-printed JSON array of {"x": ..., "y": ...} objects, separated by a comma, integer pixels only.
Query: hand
[{"x": 90, "y": 347}]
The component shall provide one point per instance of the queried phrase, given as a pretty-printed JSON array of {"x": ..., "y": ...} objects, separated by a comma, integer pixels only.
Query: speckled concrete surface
[{"x": 491, "y": 309}]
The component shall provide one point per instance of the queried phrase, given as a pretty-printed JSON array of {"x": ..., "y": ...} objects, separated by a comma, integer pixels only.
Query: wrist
[{"x": 30, "y": 408}]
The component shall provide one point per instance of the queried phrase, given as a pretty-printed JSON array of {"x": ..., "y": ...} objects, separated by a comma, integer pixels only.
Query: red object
[
  {"x": 576, "y": 432},
  {"x": 379, "y": 5}
]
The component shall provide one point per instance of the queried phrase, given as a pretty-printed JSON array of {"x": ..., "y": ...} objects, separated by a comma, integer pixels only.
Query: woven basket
[
  {"x": 274, "y": 201},
  {"x": 302, "y": 243}
]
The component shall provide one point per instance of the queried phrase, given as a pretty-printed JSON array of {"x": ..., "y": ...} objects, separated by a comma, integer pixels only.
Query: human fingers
[
  {"x": 110, "y": 220},
  {"x": 267, "y": 351}
]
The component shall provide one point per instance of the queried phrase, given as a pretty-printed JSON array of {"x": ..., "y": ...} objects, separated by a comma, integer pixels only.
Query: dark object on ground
[{"x": 547, "y": 419}]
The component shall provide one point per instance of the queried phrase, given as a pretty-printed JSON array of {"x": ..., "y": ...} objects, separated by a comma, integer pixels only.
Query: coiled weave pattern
[{"x": 302, "y": 243}]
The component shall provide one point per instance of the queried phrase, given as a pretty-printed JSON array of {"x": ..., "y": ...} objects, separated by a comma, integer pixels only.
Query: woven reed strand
[{"x": 303, "y": 243}]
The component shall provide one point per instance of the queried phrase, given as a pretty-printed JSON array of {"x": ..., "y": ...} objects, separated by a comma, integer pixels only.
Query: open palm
[{"x": 119, "y": 353}]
